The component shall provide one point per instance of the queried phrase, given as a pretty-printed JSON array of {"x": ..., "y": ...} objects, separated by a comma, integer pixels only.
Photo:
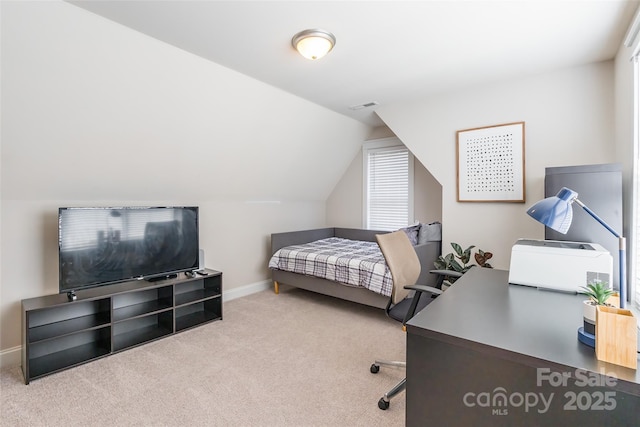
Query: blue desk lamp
[{"x": 556, "y": 213}]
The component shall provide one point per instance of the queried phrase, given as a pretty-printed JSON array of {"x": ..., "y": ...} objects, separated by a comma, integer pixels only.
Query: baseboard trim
[
  {"x": 243, "y": 291},
  {"x": 12, "y": 356}
]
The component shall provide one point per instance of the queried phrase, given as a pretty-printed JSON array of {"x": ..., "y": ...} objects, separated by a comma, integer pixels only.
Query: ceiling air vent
[{"x": 361, "y": 106}]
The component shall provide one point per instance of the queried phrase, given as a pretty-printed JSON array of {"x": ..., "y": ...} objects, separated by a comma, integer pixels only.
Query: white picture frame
[{"x": 490, "y": 163}]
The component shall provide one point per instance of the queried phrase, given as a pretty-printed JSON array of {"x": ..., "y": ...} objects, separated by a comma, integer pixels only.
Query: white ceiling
[{"x": 386, "y": 51}]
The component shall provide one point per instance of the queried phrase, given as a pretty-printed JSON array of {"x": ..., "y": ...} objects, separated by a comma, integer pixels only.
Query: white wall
[
  {"x": 345, "y": 203},
  {"x": 96, "y": 114},
  {"x": 569, "y": 118}
]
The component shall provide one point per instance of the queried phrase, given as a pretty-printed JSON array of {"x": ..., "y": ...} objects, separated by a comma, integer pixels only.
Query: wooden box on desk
[{"x": 616, "y": 336}]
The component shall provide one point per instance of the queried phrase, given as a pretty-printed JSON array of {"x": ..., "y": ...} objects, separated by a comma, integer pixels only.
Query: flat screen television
[{"x": 101, "y": 246}]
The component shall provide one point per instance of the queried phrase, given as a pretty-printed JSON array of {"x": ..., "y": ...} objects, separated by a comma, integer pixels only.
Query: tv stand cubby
[{"x": 58, "y": 334}]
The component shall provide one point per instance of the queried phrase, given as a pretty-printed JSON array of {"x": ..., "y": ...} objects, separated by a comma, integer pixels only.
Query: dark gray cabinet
[{"x": 58, "y": 334}]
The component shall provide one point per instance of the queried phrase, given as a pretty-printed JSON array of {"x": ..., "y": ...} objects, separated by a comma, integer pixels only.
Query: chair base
[{"x": 384, "y": 401}]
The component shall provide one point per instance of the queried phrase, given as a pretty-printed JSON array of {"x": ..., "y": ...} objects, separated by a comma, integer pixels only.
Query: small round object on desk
[{"x": 586, "y": 338}]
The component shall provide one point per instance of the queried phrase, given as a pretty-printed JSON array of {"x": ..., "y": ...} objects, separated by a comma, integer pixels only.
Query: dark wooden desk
[{"x": 487, "y": 353}]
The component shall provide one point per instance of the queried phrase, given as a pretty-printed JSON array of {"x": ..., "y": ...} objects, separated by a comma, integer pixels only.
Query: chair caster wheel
[
  {"x": 374, "y": 369},
  {"x": 383, "y": 404}
]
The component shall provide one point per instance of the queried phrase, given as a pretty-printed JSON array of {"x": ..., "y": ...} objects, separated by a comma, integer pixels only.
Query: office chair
[
  {"x": 444, "y": 275},
  {"x": 405, "y": 268}
]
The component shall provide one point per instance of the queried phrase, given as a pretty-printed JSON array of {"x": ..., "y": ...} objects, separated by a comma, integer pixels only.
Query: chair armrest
[
  {"x": 450, "y": 273},
  {"x": 414, "y": 301},
  {"x": 423, "y": 288}
]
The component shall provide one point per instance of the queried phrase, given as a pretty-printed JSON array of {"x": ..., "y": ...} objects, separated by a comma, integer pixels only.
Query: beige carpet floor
[{"x": 294, "y": 359}]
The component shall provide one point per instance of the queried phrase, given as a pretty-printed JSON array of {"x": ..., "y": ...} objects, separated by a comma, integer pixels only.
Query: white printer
[{"x": 559, "y": 265}]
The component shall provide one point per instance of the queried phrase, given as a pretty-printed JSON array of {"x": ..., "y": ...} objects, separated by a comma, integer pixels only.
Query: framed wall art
[{"x": 491, "y": 163}]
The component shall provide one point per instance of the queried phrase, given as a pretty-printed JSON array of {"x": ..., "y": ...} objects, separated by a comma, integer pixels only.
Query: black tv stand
[
  {"x": 58, "y": 334},
  {"x": 165, "y": 277}
]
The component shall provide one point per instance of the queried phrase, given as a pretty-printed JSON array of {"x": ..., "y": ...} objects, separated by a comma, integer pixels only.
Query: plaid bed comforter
[{"x": 350, "y": 262}]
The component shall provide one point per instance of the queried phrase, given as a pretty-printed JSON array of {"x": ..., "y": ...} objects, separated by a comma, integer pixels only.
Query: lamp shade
[
  {"x": 313, "y": 44},
  {"x": 556, "y": 211}
]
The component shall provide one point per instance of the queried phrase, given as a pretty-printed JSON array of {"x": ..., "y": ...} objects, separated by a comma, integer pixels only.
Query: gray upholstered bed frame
[{"x": 427, "y": 253}]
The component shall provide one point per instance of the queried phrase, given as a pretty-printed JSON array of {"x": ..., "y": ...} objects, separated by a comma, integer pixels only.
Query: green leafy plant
[
  {"x": 598, "y": 292},
  {"x": 459, "y": 260},
  {"x": 482, "y": 257}
]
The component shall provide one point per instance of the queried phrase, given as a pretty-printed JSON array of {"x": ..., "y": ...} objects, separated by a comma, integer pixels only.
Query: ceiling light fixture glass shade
[{"x": 313, "y": 44}]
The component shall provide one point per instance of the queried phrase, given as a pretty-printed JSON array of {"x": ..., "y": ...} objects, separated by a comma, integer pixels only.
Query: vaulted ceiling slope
[
  {"x": 95, "y": 111},
  {"x": 387, "y": 51}
]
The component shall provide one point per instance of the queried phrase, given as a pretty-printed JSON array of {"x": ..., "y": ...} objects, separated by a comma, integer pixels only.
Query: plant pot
[
  {"x": 445, "y": 285},
  {"x": 589, "y": 312},
  {"x": 589, "y": 316}
]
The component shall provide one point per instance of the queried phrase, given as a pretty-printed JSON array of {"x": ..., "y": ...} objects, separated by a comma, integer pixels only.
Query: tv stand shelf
[{"x": 58, "y": 334}]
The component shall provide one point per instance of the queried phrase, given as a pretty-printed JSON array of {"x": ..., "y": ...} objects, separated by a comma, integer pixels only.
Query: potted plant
[
  {"x": 598, "y": 293},
  {"x": 458, "y": 263}
]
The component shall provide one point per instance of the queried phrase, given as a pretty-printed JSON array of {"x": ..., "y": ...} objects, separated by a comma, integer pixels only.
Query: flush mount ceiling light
[{"x": 313, "y": 44}]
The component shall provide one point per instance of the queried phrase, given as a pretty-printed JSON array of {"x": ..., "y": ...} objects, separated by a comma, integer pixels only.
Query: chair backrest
[{"x": 402, "y": 261}]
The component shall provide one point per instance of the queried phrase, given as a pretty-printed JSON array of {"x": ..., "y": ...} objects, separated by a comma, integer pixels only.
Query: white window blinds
[
  {"x": 632, "y": 41},
  {"x": 388, "y": 185}
]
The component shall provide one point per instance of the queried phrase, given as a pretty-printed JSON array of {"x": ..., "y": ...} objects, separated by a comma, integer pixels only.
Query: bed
[{"x": 371, "y": 288}]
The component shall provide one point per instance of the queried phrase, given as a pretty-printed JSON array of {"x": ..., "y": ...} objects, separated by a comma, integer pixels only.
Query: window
[
  {"x": 635, "y": 283},
  {"x": 388, "y": 185},
  {"x": 633, "y": 41}
]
